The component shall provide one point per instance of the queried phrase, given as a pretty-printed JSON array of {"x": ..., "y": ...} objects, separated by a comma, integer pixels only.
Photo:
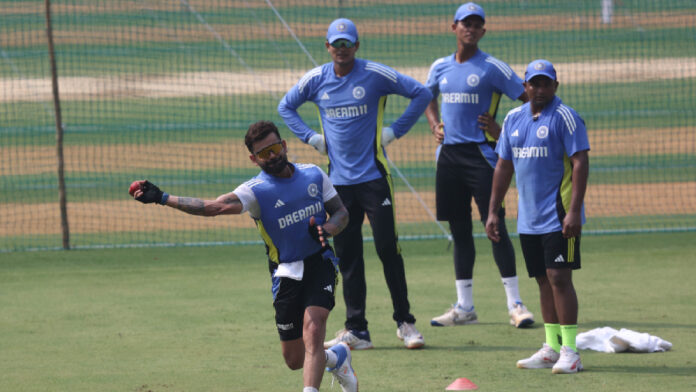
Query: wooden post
[{"x": 59, "y": 132}]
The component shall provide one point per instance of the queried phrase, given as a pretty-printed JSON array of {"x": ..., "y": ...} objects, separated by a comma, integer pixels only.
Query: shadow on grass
[
  {"x": 465, "y": 347},
  {"x": 666, "y": 370},
  {"x": 638, "y": 326}
]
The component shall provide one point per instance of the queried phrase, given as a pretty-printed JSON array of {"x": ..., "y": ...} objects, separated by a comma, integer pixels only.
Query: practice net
[{"x": 165, "y": 90}]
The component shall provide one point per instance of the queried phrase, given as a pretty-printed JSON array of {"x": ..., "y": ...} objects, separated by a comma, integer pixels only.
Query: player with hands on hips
[
  {"x": 289, "y": 203},
  {"x": 350, "y": 94},
  {"x": 470, "y": 84},
  {"x": 544, "y": 144}
]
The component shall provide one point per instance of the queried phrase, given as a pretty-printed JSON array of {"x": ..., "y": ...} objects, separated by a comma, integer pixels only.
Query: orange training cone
[{"x": 462, "y": 384}]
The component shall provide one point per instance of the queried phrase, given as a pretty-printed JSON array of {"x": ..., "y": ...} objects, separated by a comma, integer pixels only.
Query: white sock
[
  {"x": 465, "y": 293},
  {"x": 512, "y": 291},
  {"x": 331, "y": 358},
  {"x": 310, "y": 389}
]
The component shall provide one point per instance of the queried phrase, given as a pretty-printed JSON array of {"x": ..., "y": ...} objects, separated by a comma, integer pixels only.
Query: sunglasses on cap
[
  {"x": 342, "y": 43},
  {"x": 265, "y": 153}
]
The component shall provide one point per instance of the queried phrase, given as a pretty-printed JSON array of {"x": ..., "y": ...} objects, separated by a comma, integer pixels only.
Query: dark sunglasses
[
  {"x": 342, "y": 43},
  {"x": 265, "y": 153}
]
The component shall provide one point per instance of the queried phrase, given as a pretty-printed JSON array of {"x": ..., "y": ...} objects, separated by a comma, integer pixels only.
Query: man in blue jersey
[
  {"x": 350, "y": 94},
  {"x": 471, "y": 83},
  {"x": 289, "y": 203},
  {"x": 544, "y": 142}
]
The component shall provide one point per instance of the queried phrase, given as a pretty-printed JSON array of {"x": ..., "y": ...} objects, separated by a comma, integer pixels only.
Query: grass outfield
[{"x": 200, "y": 319}]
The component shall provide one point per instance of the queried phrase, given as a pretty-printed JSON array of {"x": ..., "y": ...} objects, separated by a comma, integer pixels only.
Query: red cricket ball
[{"x": 134, "y": 187}]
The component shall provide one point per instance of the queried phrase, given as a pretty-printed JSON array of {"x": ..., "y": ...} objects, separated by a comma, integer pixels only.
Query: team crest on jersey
[
  {"x": 313, "y": 189},
  {"x": 358, "y": 92},
  {"x": 542, "y": 132},
  {"x": 473, "y": 80}
]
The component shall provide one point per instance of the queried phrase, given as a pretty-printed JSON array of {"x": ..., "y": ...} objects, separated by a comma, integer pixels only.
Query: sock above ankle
[
  {"x": 512, "y": 291},
  {"x": 553, "y": 336},
  {"x": 465, "y": 293},
  {"x": 331, "y": 358},
  {"x": 568, "y": 334},
  {"x": 310, "y": 389}
]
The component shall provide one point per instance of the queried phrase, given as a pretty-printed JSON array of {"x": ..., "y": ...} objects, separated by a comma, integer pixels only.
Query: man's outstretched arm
[{"x": 147, "y": 192}]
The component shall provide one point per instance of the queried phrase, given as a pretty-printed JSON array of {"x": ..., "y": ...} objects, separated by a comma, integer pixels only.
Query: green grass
[
  {"x": 130, "y": 51},
  {"x": 515, "y": 47},
  {"x": 98, "y": 184},
  {"x": 200, "y": 319},
  {"x": 208, "y": 119},
  {"x": 223, "y": 119}
]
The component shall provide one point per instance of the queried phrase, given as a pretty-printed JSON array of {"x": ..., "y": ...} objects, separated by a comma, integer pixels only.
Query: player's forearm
[
  {"x": 189, "y": 205},
  {"x": 293, "y": 120},
  {"x": 581, "y": 171},
  {"x": 432, "y": 113},
  {"x": 338, "y": 216},
  {"x": 414, "y": 110},
  {"x": 195, "y": 206},
  {"x": 502, "y": 176},
  {"x": 337, "y": 222}
]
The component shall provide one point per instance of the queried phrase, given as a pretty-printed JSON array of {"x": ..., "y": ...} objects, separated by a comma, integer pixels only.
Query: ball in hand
[{"x": 134, "y": 187}]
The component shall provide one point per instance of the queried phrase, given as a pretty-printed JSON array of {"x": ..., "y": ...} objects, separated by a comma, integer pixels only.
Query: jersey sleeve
[
  {"x": 329, "y": 190},
  {"x": 573, "y": 130},
  {"x": 293, "y": 99},
  {"x": 502, "y": 148},
  {"x": 394, "y": 82},
  {"x": 248, "y": 199},
  {"x": 507, "y": 81},
  {"x": 433, "y": 81}
]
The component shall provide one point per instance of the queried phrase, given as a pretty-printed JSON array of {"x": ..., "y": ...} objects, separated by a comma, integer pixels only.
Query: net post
[{"x": 65, "y": 228}]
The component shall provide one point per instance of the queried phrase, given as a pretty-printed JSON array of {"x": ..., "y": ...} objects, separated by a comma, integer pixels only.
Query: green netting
[{"x": 165, "y": 90}]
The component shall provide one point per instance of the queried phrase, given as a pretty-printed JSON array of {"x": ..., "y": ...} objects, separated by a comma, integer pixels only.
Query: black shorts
[
  {"x": 292, "y": 297},
  {"x": 543, "y": 251},
  {"x": 464, "y": 171}
]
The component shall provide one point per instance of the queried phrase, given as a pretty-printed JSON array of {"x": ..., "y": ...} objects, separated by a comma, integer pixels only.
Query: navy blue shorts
[
  {"x": 292, "y": 297},
  {"x": 544, "y": 251},
  {"x": 464, "y": 171}
]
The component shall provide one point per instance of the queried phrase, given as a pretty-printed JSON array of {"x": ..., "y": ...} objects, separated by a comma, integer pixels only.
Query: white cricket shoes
[
  {"x": 356, "y": 340},
  {"x": 568, "y": 363},
  {"x": 455, "y": 316},
  {"x": 545, "y": 358},
  {"x": 520, "y": 317},
  {"x": 343, "y": 371},
  {"x": 410, "y": 335}
]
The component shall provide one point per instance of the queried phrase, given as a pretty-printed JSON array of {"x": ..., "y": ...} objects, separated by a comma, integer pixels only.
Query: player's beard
[{"x": 275, "y": 166}]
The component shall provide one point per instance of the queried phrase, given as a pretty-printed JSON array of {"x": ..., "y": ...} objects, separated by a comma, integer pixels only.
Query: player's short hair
[{"x": 258, "y": 131}]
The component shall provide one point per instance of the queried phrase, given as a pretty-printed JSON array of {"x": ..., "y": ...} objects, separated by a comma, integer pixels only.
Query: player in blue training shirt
[
  {"x": 471, "y": 83},
  {"x": 350, "y": 95},
  {"x": 544, "y": 142},
  {"x": 289, "y": 203}
]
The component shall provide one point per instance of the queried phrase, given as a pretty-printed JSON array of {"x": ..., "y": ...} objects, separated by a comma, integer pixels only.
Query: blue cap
[
  {"x": 468, "y": 9},
  {"x": 342, "y": 29},
  {"x": 540, "y": 67}
]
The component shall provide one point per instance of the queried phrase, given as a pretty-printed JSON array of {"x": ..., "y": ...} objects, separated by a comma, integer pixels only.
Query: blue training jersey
[
  {"x": 282, "y": 207},
  {"x": 351, "y": 112},
  {"x": 468, "y": 90},
  {"x": 540, "y": 150}
]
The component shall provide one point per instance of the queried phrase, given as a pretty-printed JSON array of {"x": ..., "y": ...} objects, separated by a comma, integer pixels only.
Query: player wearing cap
[
  {"x": 544, "y": 142},
  {"x": 471, "y": 83},
  {"x": 289, "y": 203},
  {"x": 350, "y": 94}
]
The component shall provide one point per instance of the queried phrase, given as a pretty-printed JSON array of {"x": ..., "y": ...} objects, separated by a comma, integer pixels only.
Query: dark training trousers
[
  {"x": 373, "y": 198},
  {"x": 465, "y": 171}
]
